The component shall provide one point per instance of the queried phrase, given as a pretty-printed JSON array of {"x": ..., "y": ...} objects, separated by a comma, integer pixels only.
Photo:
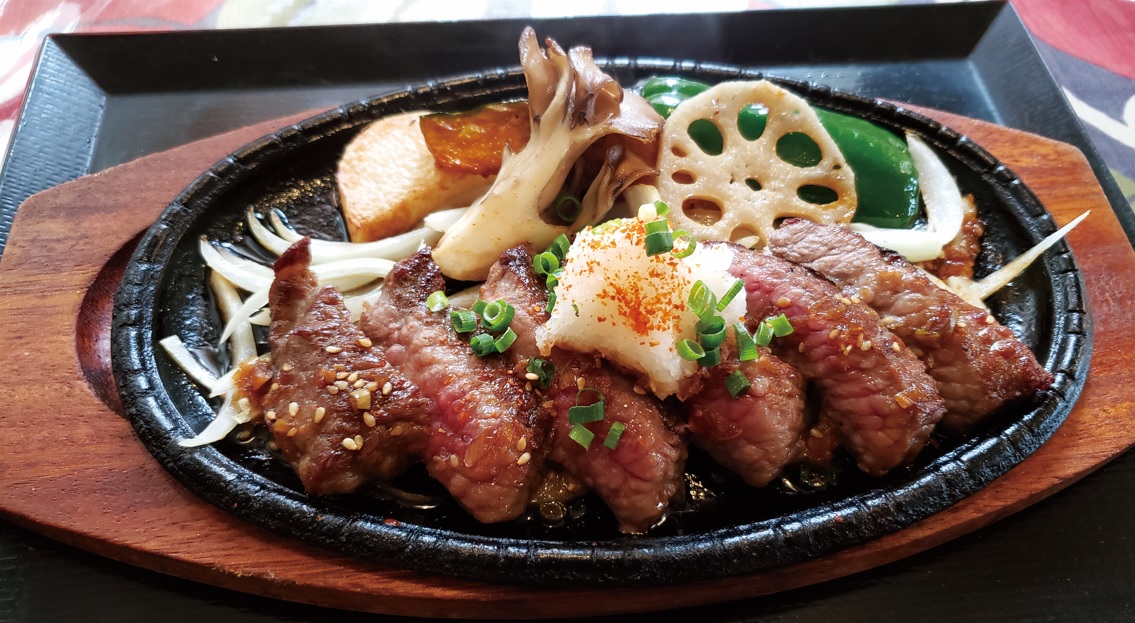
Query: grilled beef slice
[
  {"x": 873, "y": 389},
  {"x": 488, "y": 441},
  {"x": 757, "y": 433},
  {"x": 639, "y": 477},
  {"x": 977, "y": 363},
  {"x": 339, "y": 412}
]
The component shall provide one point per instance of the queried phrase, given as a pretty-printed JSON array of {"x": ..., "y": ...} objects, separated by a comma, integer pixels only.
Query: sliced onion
[
  {"x": 945, "y": 210},
  {"x": 189, "y": 364},
  {"x": 394, "y": 248},
  {"x": 974, "y": 292},
  {"x": 355, "y": 304},
  {"x": 244, "y": 274},
  {"x": 238, "y": 331},
  {"x": 465, "y": 298},
  {"x": 261, "y": 318},
  {"x": 228, "y": 417}
]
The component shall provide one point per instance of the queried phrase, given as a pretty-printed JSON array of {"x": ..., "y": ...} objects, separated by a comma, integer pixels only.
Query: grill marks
[
  {"x": 488, "y": 439},
  {"x": 978, "y": 364},
  {"x": 326, "y": 407}
]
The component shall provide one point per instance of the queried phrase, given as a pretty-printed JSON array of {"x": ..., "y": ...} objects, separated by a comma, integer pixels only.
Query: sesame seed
[
  {"x": 396, "y": 431},
  {"x": 364, "y": 342},
  {"x": 272, "y": 445},
  {"x": 522, "y": 444},
  {"x": 293, "y": 408},
  {"x": 319, "y": 411},
  {"x": 532, "y": 376},
  {"x": 453, "y": 460},
  {"x": 340, "y": 367},
  {"x": 341, "y": 384},
  {"x": 333, "y": 349},
  {"x": 855, "y": 299},
  {"x": 548, "y": 404},
  {"x": 373, "y": 386},
  {"x": 800, "y": 347},
  {"x": 387, "y": 388},
  {"x": 331, "y": 389},
  {"x": 524, "y": 458},
  {"x": 287, "y": 367},
  {"x": 895, "y": 347},
  {"x": 859, "y": 340},
  {"x": 833, "y": 334},
  {"x": 579, "y": 382},
  {"x": 865, "y": 346},
  {"x": 818, "y": 434},
  {"x": 368, "y": 419},
  {"x": 271, "y": 415},
  {"x": 846, "y": 349},
  {"x": 274, "y": 387},
  {"x": 292, "y": 431},
  {"x": 353, "y": 377},
  {"x": 528, "y": 387},
  {"x": 845, "y": 300},
  {"x": 783, "y": 301},
  {"x": 340, "y": 375},
  {"x": 244, "y": 404},
  {"x": 244, "y": 435},
  {"x": 640, "y": 391},
  {"x": 989, "y": 320},
  {"x": 349, "y": 444},
  {"x": 359, "y": 383}
]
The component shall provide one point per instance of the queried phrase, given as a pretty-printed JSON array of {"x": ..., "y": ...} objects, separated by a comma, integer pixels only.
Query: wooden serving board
[{"x": 71, "y": 468}]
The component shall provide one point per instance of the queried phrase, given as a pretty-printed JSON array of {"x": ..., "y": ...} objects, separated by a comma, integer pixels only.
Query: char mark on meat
[
  {"x": 874, "y": 391},
  {"x": 757, "y": 433},
  {"x": 643, "y": 473},
  {"x": 488, "y": 441},
  {"x": 978, "y": 364},
  {"x": 330, "y": 386}
]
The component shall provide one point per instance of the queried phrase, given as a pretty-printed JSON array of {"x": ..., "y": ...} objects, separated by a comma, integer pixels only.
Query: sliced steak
[
  {"x": 643, "y": 473},
  {"x": 488, "y": 441},
  {"x": 876, "y": 393},
  {"x": 757, "y": 433},
  {"x": 977, "y": 363},
  {"x": 340, "y": 413}
]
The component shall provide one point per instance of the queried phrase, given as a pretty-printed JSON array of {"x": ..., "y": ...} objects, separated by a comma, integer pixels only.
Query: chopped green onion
[
  {"x": 711, "y": 333},
  {"x": 701, "y": 300},
  {"x": 746, "y": 347},
  {"x": 581, "y": 435},
  {"x": 661, "y": 209},
  {"x": 657, "y": 244},
  {"x": 554, "y": 278},
  {"x": 464, "y": 321},
  {"x": 614, "y": 434},
  {"x": 729, "y": 294},
  {"x": 497, "y": 315},
  {"x": 559, "y": 247},
  {"x": 737, "y": 384},
  {"x": 691, "y": 244},
  {"x": 479, "y": 307},
  {"x": 576, "y": 308},
  {"x": 551, "y": 301},
  {"x": 780, "y": 325},
  {"x": 543, "y": 370},
  {"x": 690, "y": 350},
  {"x": 437, "y": 301},
  {"x": 545, "y": 263},
  {"x": 712, "y": 358},
  {"x": 568, "y": 207},
  {"x": 580, "y": 414},
  {"x": 505, "y": 340},
  {"x": 657, "y": 227},
  {"x": 764, "y": 334},
  {"x": 483, "y": 345}
]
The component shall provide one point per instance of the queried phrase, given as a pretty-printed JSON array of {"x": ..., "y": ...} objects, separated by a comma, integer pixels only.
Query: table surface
[{"x": 1052, "y": 564}]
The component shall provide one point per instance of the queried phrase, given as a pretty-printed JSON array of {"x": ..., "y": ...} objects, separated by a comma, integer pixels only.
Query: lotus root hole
[
  {"x": 707, "y": 136},
  {"x": 678, "y": 151},
  {"x": 817, "y": 195},
  {"x": 799, "y": 150},
  {"x": 751, "y": 121},
  {"x": 745, "y": 236},
  {"x": 753, "y": 184},
  {"x": 683, "y": 177},
  {"x": 703, "y": 211}
]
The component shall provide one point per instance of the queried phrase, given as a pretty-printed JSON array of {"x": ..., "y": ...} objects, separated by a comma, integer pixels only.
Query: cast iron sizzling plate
[{"x": 723, "y": 528}]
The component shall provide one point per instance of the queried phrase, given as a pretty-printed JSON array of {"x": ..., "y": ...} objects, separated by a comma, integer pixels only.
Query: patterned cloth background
[{"x": 1087, "y": 43}]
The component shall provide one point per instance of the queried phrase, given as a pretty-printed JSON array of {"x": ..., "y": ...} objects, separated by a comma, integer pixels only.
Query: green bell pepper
[{"x": 886, "y": 181}]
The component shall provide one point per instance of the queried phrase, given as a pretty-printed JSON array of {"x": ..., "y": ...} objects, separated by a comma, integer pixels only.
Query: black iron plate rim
[{"x": 639, "y": 561}]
